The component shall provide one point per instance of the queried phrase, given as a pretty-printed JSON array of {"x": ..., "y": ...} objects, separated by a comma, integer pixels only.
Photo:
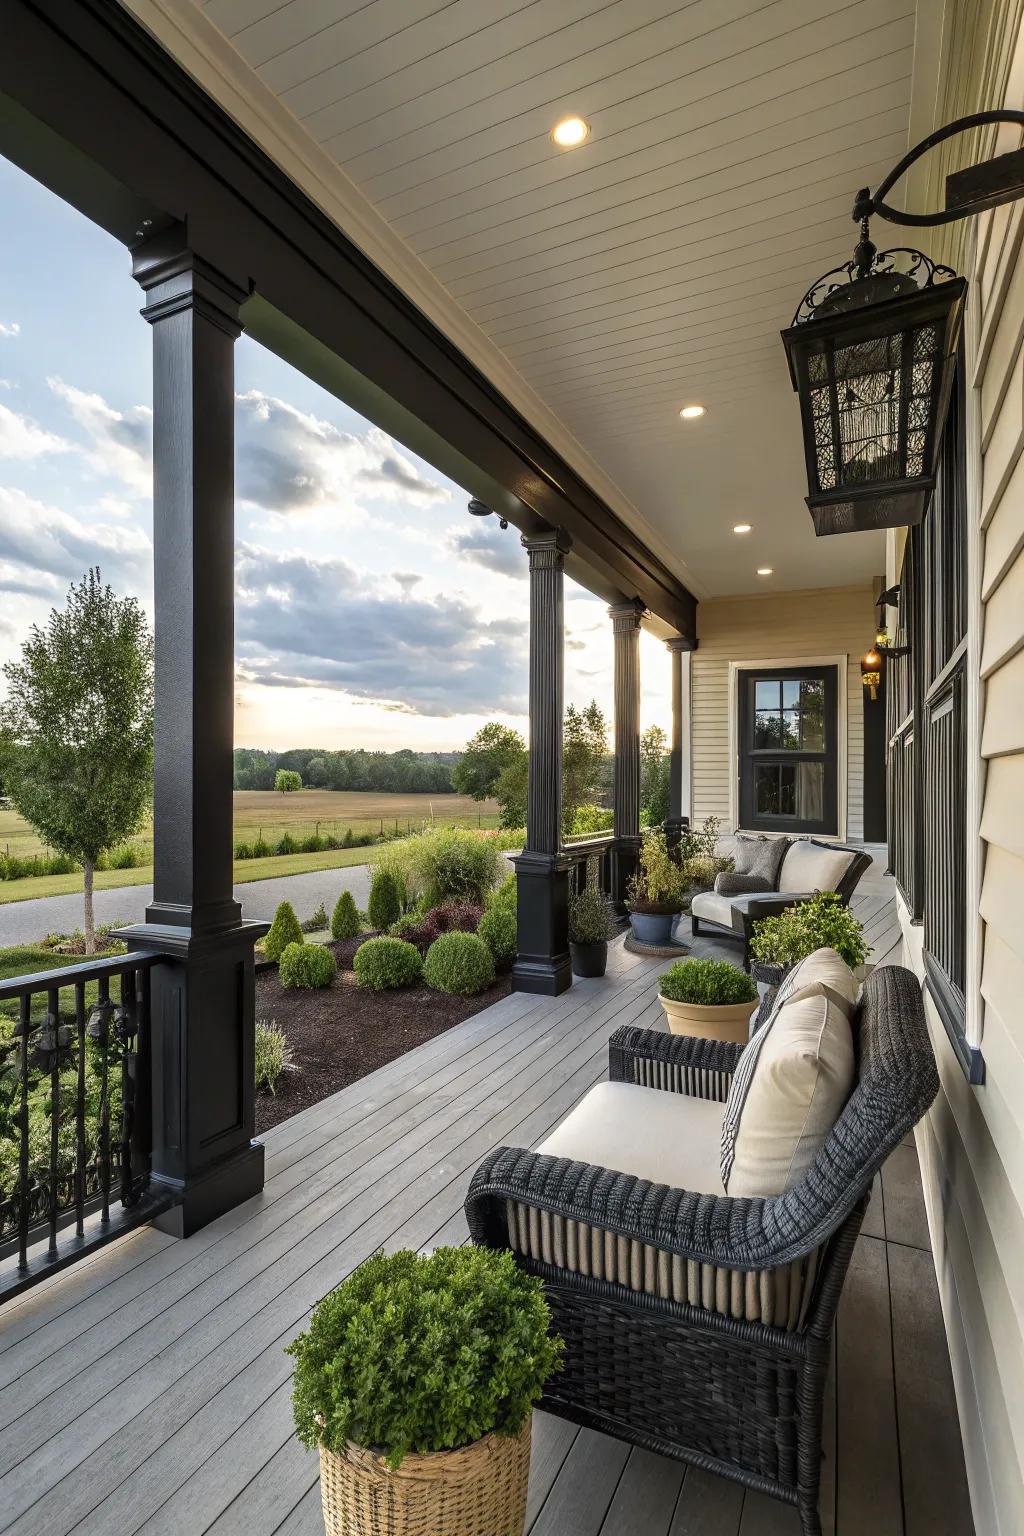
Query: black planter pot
[{"x": 589, "y": 959}]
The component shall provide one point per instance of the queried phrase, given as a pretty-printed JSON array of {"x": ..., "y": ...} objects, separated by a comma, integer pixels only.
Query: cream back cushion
[
  {"x": 800, "y": 1073},
  {"x": 808, "y": 867},
  {"x": 821, "y": 971}
]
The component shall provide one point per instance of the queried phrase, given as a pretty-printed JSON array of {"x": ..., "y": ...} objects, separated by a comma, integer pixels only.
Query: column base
[
  {"x": 625, "y": 861},
  {"x": 675, "y": 829},
  {"x": 216, "y": 1190},
  {"x": 542, "y": 905}
]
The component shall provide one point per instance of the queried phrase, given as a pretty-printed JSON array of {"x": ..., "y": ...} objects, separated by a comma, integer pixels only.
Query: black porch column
[
  {"x": 202, "y": 989},
  {"x": 625, "y": 619},
  {"x": 542, "y": 881},
  {"x": 679, "y": 760}
]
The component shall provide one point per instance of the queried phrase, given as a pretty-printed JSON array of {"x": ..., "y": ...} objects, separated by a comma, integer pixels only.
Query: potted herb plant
[
  {"x": 708, "y": 998},
  {"x": 821, "y": 922},
  {"x": 590, "y": 928},
  {"x": 656, "y": 891},
  {"x": 416, "y": 1380}
]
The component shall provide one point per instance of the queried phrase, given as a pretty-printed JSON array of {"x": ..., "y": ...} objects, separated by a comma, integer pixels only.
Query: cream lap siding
[
  {"x": 972, "y": 1141},
  {"x": 786, "y": 627}
]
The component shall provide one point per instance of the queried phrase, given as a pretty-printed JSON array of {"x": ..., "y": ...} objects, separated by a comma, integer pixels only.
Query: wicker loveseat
[
  {"x": 699, "y": 1325},
  {"x": 805, "y": 866}
]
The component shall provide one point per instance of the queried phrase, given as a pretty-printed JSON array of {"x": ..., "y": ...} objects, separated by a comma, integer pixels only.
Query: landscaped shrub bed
[
  {"x": 340, "y": 1033},
  {"x": 459, "y": 962}
]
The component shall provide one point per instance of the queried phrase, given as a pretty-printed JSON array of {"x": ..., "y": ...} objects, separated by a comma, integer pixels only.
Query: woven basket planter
[{"x": 478, "y": 1490}]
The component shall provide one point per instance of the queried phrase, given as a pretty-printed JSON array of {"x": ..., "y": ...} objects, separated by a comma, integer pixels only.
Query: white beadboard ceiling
[{"x": 655, "y": 265}]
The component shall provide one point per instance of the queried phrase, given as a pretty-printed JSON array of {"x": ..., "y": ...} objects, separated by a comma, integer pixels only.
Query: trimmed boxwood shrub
[
  {"x": 383, "y": 963},
  {"x": 306, "y": 965},
  {"x": 498, "y": 929},
  {"x": 385, "y": 905},
  {"x": 345, "y": 923},
  {"x": 707, "y": 983},
  {"x": 459, "y": 962},
  {"x": 474, "y": 1350},
  {"x": 284, "y": 930}
]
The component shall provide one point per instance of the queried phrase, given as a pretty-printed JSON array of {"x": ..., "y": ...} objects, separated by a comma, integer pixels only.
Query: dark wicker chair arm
[
  {"x": 729, "y": 883},
  {"x": 680, "y": 1063}
]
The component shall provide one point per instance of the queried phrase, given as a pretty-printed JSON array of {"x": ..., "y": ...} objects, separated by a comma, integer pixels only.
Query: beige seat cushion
[
  {"x": 715, "y": 909},
  {"x": 789, "y": 1088},
  {"x": 810, "y": 867},
  {"x": 665, "y": 1137}
]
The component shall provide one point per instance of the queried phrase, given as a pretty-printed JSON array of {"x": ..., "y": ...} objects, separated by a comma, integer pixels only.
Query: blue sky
[{"x": 371, "y": 610}]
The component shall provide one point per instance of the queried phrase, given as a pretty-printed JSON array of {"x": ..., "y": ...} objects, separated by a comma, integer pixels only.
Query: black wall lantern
[{"x": 872, "y": 353}]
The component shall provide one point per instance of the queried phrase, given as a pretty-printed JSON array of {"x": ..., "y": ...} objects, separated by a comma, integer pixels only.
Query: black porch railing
[
  {"x": 75, "y": 1114},
  {"x": 590, "y": 863}
]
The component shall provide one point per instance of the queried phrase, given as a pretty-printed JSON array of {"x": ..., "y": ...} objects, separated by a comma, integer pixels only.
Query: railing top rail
[
  {"x": 592, "y": 843},
  {"x": 90, "y": 970}
]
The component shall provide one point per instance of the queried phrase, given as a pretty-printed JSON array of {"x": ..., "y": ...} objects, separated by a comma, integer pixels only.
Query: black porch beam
[{"x": 92, "y": 106}]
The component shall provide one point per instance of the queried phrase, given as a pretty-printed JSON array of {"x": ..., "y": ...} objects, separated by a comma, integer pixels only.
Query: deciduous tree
[{"x": 77, "y": 728}]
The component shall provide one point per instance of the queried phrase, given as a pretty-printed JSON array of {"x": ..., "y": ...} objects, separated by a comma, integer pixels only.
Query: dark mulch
[{"x": 341, "y": 1033}]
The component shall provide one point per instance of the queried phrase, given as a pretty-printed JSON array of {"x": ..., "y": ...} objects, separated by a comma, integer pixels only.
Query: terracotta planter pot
[
  {"x": 478, "y": 1490},
  {"x": 730, "y": 1021},
  {"x": 589, "y": 959}
]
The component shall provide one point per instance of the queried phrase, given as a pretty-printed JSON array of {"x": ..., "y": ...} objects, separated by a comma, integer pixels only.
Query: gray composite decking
[{"x": 147, "y": 1390}]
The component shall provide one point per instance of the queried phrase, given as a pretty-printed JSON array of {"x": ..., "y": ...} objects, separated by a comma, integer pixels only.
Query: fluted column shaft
[
  {"x": 547, "y": 553},
  {"x": 626, "y": 618},
  {"x": 679, "y": 759},
  {"x": 542, "y": 883}
]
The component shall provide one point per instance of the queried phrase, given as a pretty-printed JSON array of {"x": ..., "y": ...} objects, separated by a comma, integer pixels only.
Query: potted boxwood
[
  {"x": 416, "y": 1380},
  {"x": 821, "y": 922},
  {"x": 590, "y": 928},
  {"x": 655, "y": 894},
  {"x": 709, "y": 998}
]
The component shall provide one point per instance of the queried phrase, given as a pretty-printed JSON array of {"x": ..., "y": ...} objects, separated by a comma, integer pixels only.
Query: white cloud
[
  {"x": 119, "y": 442},
  {"x": 23, "y": 438},
  {"x": 42, "y": 539},
  {"x": 11, "y": 328},
  {"x": 289, "y": 461}
]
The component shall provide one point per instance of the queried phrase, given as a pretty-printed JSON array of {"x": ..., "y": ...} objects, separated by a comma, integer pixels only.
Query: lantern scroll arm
[{"x": 967, "y": 192}]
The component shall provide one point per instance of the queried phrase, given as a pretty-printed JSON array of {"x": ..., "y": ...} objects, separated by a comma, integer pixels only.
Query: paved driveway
[{"x": 22, "y": 922}]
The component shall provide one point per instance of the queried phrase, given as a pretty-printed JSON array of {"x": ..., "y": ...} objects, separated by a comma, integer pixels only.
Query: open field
[{"x": 266, "y": 813}]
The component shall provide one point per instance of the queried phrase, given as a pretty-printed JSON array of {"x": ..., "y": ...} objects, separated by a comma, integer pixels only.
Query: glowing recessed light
[
  {"x": 570, "y": 132},
  {"x": 764, "y": 570},
  {"x": 741, "y": 528},
  {"x": 691, "y": 412}
]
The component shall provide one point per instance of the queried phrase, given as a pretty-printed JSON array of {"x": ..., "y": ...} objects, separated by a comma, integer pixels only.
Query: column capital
[
  {"x": 679, "y": 643},
  {"x": 547, "y": 550},
  {"x": 176, "y": 279},
  {"x": 626, "y": 616}
]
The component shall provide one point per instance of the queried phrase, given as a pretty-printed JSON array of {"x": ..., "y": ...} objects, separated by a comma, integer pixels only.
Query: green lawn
[
  {"x": 245, "y": 869},
  {"x": 27, "y": 960}
]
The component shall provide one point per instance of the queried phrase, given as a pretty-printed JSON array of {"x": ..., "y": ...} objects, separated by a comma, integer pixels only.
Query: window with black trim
[{"x": 927, "y": 737}]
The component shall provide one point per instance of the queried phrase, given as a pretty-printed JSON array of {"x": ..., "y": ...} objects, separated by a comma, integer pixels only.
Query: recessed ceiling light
[
  {"x": 764, "y": 570},
  {"x": 741, "y": 528},
  {"x": 691, "y": 412},
  {"x": 570, "y": 132}
]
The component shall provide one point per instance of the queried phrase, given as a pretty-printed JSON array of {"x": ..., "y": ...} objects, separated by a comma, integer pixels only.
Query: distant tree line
[{"x": 405, "y": 772}]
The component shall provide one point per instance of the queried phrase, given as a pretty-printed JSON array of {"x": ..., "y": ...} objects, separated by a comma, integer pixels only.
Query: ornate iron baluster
[
  {"x": 24, "y": 1199},
  {"x": 125, "y": 1024},
  {"x": 80, "y": 1112},
  {"x": 52, "y": 1041},
  {"x": 99, "y": 1030}
]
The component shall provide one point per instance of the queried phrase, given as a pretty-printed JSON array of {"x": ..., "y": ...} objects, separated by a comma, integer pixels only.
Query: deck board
[{"x": 148, "y": 1390}]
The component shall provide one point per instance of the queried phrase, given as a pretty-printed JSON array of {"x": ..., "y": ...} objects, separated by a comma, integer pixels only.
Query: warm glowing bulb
[
  {"x": 570, "y": 132},
  {"x": 741, "y": 528},
  {"x": 764, "y": 570},
  {"x": 691, "y": 412}
]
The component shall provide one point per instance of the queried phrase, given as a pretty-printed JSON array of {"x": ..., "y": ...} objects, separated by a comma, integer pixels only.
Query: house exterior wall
[
  {"x": 972, "y": 1142},
  {"x": 790, "y": 627}
]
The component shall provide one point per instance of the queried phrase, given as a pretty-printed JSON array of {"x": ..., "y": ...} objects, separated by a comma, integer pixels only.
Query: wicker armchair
[
  {"x": 699, "y": 1326},
  {"x": 739, "y": 901}
]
